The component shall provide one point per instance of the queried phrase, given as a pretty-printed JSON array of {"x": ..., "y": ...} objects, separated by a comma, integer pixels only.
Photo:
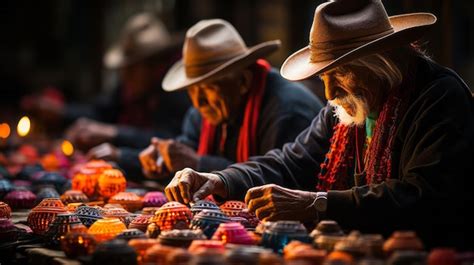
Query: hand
[
  {"x": 272, "y": 202},
  {"x": 86, "y": 133},
  {"x": 151, "y": 161},
  {"x": 104, "y": 151},
  {"x": 176, "y": 155},
  {"x": 188, "y": 184}
]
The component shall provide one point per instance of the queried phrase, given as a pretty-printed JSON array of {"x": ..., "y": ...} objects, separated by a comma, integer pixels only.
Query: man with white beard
[{"x": 392, "y": 150}]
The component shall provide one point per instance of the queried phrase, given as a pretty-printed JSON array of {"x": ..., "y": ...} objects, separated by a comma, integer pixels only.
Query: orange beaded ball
[
  {"x": 107, "y": 228},
  {"x": 85, "y": 180},
  {"x": 172, "y": 215},
  {"x": 44, "y": 214},
  {"x": 87, "y": 177},
  {"x": 233, "y": 208},
  {"x": 111, "y": 182},
  {"x": 129, "y": 200}
]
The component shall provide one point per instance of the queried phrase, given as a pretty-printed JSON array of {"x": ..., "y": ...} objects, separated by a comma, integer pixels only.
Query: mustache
[
  {"x": 346, "y": 100},
  {"x": 358, "y": 106}
]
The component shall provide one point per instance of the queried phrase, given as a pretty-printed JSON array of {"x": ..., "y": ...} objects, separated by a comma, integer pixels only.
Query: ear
[{"x": 246, "y": 81}]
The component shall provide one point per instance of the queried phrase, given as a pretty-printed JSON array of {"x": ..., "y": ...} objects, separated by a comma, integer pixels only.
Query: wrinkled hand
[
  {"x": 272, "y": 202},
  {"x": 189, "y": 185},
  {"x": 104, "y": 151},
  {"x": 176, "y": 155},
  {"x": 86, "y": 133},
  {"x": 151, "y": 161}
]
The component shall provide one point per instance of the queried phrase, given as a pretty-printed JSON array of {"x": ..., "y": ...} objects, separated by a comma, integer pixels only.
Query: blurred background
[{"x": 60, "y": 43}]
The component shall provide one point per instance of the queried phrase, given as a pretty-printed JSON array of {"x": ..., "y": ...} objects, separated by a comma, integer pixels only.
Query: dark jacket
[
  {"x": 287, "y": 109},
  {"x": 432, "y": 174}
]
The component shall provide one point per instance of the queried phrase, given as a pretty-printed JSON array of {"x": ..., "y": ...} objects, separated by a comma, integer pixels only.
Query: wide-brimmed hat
[
  {"x": 344, "y": 30},
  {"x": 144, "y": 35},
  {"x": 213, "y": 48}
]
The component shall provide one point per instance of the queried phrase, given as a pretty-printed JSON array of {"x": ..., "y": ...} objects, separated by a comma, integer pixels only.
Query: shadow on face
[{"x": 220, "y": 100}]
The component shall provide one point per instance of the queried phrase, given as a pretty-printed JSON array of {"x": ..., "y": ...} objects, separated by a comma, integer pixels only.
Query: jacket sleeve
[
  {"x": 191, "y": 129},
  {"x": 133, "y": 137},
  {"x": 435, "y": 138},
  {"x": 130, "y": 163},
  {"x": 293, "y": 166}
]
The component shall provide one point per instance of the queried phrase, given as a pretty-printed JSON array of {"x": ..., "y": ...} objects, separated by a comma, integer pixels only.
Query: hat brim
[
  {"x": 177, "y": 79},
  {"x": 407, "y": 28},
  {"x": 116, "y": 58}
]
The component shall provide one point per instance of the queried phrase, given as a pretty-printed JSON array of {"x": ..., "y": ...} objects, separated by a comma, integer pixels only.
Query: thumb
[
  {"x": 154, "y": 141},
  {"x": 163, "y": 147},
  {"x": 203, "y": 191}
]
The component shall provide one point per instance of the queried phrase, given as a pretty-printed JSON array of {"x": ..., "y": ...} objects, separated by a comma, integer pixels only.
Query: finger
[
  {"x": 163, "y": 149},
  {"x": 264, "y": 212},
  {"x": 254, "y": 193},
  {"x": 154, "y": 140},
  {"x": 184, "y": 188},
  {"x": 146, "y": 162},
  {"x": 204, "y": 191},
  {"x": 147, "y": 158},
  {"x": 177, "y": 194},
  {"x": 168, "y": 193},
  {"x": 91, "y": 154},
  {"x": 257, "y": 203}
]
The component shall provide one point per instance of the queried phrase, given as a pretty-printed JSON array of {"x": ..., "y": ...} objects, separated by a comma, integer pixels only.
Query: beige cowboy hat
[
  {"x": 213, "y": 48},
  {"x": 344, "y": 30},
  {"x": 144, "y": 35}
]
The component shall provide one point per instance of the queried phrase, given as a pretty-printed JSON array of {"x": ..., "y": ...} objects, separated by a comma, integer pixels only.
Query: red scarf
[
  {"x": 247, "y": 142},
  {"x": 334, "y": 173}
]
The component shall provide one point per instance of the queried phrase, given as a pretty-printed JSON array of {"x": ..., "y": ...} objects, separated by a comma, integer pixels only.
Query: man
[
  {"x": 241, "y": 108},
  {"x": 118, "y": 126},
  {"x": 142, "y": 55},
  {"x": 398, "y": 154}
]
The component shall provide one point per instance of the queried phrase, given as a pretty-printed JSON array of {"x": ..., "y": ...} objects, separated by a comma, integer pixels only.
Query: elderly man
[
  {"x": 139, "y": 108},
  {"x": 119, "y": 125},
  {"x": 397, "y": 154},
  {"x": 241, "y": 108}
]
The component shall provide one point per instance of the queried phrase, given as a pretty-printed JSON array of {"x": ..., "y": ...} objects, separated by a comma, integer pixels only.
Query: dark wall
[{"x": 61, "y": 42}]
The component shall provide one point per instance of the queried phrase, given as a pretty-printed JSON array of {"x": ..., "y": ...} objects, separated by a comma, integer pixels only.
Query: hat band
[
  {"x": 331, "y": 50},
  {"x": 199, "y": 69}
]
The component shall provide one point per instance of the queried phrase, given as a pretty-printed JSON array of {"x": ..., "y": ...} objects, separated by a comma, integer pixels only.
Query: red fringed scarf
[
  {"x": 246, "y": 145},
  {"x": 334, "y": 173}
]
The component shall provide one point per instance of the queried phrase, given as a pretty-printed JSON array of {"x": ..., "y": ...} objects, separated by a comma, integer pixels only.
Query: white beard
[{"x": 357, "y": 103}]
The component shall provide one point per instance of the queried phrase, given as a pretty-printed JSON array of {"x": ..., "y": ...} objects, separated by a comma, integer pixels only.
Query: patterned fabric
[{"x": 247, "y": 145}]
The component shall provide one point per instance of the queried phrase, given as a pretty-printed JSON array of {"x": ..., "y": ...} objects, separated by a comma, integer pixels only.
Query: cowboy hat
[
  {"x": 143, "y": 36},
  {"x": 344, "y": 30},
  {"x": 211, "y": 49}
]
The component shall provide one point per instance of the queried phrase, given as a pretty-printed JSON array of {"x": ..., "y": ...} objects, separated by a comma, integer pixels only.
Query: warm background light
[
  {"x": 4, "y": 130},
  {"x": 67, "y": 148},
  {"x": 23, "y": 126}
]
